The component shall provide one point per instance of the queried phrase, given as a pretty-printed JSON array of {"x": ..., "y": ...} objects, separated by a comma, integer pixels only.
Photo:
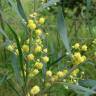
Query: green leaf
[
  {"x": 3, "y": 79},
  {"x": 87, "y": 83},
  {"x": 20, "y": 9},
  {"x": 19, "y": 49},
  {"x": 11, "y": 85},
  {"x": 81, "y": 90},
  {"x": 4, "y": 34},
  {"x": 16, "y": 69},
  {"x": 63, "y": 30}
]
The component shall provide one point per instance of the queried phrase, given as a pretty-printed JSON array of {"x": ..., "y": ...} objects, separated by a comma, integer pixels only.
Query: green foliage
[{"x": 69, "y": 22}]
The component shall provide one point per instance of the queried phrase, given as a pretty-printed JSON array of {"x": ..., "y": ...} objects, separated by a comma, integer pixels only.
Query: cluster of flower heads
[
  {"x": 35, "y": 53},
  {"x": 38, "y": 53},
  {"x": 77, "y": 57},
  {"x": 34, "y": 48},
  {"x": 37, "y": 56}
]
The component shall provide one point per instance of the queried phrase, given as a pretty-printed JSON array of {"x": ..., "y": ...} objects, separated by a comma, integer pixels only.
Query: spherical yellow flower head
[
  {"x": 33, "y": 73},
  {"x": 30, "y": 57},
  {"x": 42, "y": 20},
  {"x": 60, "y": 74},
  {"x": 38, "y": 32},
  {"x": 31, "y": 25},
  {"x": 83, "y": 58},
  {"x": 45, "y": 50},
  {"x": 25, "y": 48},
  {"x": 75, "y": 72},
  {"x": 76, "y": 46},
  {"x": 49, "y": 73},
  {"x": 77, "y": 58},
  {"x": 33, "y": 15},
  {"x": 65, "y": 71},
  {"x": 38, "y": 65},
  {"x": 45, "y": 59},
  {"x": 38, "y": 41},
  {"x": 30, "y": 21},
  {"x": 84, "y": 48},
  {"x": 10, "y": 48},
  {"x": 38, "y": 49},
  {"x": 54, "y": 78},
  {"x": 35, "y": 90}
]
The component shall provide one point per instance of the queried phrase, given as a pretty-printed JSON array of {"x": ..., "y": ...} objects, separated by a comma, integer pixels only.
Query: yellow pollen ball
[
  {"x": 33, "y": 73},
  {"x": 60, "y": 74},
  {"x": 42, "y": 20},
  {"x": 75, "y": 72},
  {"x": 83, "y": 58},
  {"x": 30, "y": 21},
  {"x": 45, "y": 59},
  {"x": 45, "y": 50},
  {"x": 35, "y": 90},
  {"x": 25, "y": 48},
  {"x": 84, "y": 48},
  {"x": 76, "y": 46},
  {"x": 54, "y": 78},
  {"x": 49, "y": 73},
  {"x": 38, "y": 65},
  {"x": 38, "y": 49},
  {"x": 30, "y": 57},
  {"x": 38, "y": 41},
  {"x": 38, "y": 32},
  {"x": 65, "y": 71},
  {"x": 32, "y": 26}
]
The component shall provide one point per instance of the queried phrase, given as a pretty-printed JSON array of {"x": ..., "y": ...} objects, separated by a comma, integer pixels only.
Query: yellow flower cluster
[
  {"x": 82, "y": 48},
  {"x": 30, "y": 57},
  {"x": 42, "y": 20},
  {"x": 49, "y": 73},
  {"x": 35, "y": 90},
  {"x": 45, "y": 59},
  {"x": 76, "y": 46},
  {"x": 38, "y": 65},
  {"x": 56, "y": 76},
  {"x": 38, "y": 48},
  {"x": 25, "y": 48},
  {"x": 38, "y": 32},
  {"x": 78, "y": 58},
  {"x": 31, "y": 25},
  {"x": 75, "y": 72},
  {"x": 33, "y": 15},
  {"x": 38, "y": 54}
]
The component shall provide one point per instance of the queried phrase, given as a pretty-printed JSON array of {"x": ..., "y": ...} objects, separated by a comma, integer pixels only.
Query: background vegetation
[{"x": 67, "y": 22}]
